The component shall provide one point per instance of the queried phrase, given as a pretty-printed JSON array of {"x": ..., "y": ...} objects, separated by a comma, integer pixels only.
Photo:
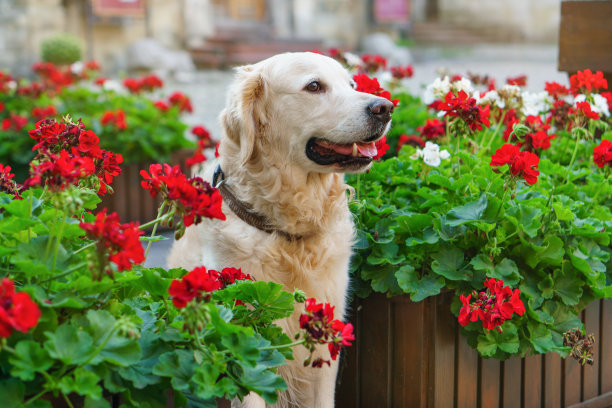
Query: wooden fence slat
[
  {"x": 444, "y": 356},
  {"x": 552, "y": 380},
  {"x": 512, "y": 383},
  {"x": 532, "y": 381},
  {"x": 408, "y": 375},
  {"x": 374, "y": 350},
  {"x": 590, "y": 388},
  {"x": 347, "y": 383},
  {"x": 467, "y": 375},
  {"x": 135, "y": 194},
  {"x": 605, "y": 345},
  {"x": 572, "y": 380},
  {"x": 489, "y": 383}
]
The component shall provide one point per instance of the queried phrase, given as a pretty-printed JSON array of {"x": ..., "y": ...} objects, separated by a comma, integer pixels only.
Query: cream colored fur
[{"x": 268, "y": 120}]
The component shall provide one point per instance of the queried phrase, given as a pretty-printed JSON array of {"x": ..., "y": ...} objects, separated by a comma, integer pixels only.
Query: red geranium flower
[
  {"x": 7, "y": 184},
  {"x": 39, "y": 113},
  {"x": 162, "y": 106},
  {"x": 381, "y": 147},
  {"x": 402, "y": 72},
  {"x": 120, "y": 241},
  {"x": 432, "y": 129},
  {"x": 556, "y": 90},
  {"x": 412, "y": 140},
  {"x": 192, "y": 198},
  {"x": 583, "y": 109},
  {"x": 228, "y": 276},
  {"x": 196, "y": 284},
  {"x": 520, "y": 80},
  {"x": 584, "y": 82},
  {"x": 493, "y": 306},
  {"x": 602, "y": 154},
  {"x": 373, "y": 63},
  {"x": 465, "y": 108},
  {"x": 181, "y": 101},
  {"x": 539, "y": 140},
  {"x": 17, "y": 310},
  {"x": 114, "y": 118},
  {"x": 371, "y": 86},
  {"x": 60, "y": 171},
  {"x": 14, "y": 122},
  {"x": 523, "y": 164}
]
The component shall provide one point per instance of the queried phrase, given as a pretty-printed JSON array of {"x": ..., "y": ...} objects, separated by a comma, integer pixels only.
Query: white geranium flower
[
  {"x": 77, "y": 68},
  {"x": 111, "y": 85},
  {"x": 492, "y": 98},
  {"x": 432, "y": 156},
  {"x": 352, "y": 59},
  {"x": 436, "y": 90},
  {"x": 599, "y": 104},
  {"x": 535, "y": 102},
  {"x": 464, "y": 84}
]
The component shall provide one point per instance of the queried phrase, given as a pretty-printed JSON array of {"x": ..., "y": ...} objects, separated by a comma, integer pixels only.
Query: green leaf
[
  {"x": 448, "y": 262},
  {"x": 179, "y": 366},
  {"x": 550, "y": 253},
  {"x": 568, "y": 287},
  {"x": 116, "y": 349},
  {"x": 418, "y": 289},
  {"x": 82, "y": 382},
  {"x": 385, "y": 254},
  {"x": 69, "y": 344},
  {"x": 563, "y": 213},
  {"x": 471, "y": 211},
  {"x": 11, "y": 393},
  {"x": 242, "y": 347},
  {"x": 154, "y": 283},
  {"x": 505, "y": 270},
  {"x": 29, "y": 358},
  {"x": 263, "y": 381},
  {"x": 411, "y": 224},
  {"x": 540, "y": 337},
  {"x": 526, "y": 218},
  {"x": 492, "y": 340},
  {"x": 382, "y": 278}
]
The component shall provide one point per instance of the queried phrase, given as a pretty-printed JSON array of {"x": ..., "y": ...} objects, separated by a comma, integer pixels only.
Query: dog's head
[{"x": 303, "y": 108}]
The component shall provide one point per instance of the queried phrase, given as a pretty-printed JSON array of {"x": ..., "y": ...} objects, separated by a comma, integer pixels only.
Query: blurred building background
[{"x": 218, "y": 33}]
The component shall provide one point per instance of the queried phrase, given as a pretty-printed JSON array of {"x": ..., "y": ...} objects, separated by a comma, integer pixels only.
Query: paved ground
[{"x": 208, "y": 88}]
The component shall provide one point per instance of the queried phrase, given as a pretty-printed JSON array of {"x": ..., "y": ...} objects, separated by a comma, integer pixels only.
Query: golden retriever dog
[{"x": 293, "y": 124}]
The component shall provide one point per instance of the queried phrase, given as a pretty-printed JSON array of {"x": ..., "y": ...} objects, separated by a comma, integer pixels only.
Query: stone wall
[{"x": 515, "y": 20}]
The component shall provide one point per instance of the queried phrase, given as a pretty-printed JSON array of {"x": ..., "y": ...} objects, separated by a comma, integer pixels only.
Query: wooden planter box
[
  {"x": 130, "y": 200},
  {"x": 585, "y": 37},
  {"x": 412, "y": 355}
]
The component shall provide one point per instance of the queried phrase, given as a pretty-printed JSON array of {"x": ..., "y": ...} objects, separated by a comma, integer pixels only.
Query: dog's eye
[{"x": 314, "y": 86}]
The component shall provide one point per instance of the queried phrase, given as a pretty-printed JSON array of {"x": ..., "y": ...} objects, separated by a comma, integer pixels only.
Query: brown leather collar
[{"x": 245, "y": 211}]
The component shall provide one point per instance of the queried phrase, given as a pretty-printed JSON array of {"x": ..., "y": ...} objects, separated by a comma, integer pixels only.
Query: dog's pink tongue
[
  {"x": 367, "y": 149},
  {"x": 345, "y": 149}
]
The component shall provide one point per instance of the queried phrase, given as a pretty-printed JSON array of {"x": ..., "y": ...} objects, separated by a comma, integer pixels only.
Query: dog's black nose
[{"x": 381, "y": 109}]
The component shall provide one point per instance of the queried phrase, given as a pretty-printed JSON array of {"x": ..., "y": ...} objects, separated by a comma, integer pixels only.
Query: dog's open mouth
[{"x": 352, "y": 155}]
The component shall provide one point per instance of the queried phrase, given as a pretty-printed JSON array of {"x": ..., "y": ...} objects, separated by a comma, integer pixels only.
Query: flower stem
[
  {"x": 85, "y": 247},
  {"x": 499, "y": 125},
  {"x": 571, "y": 164},
  {"x": 58, "y": 239},
  {"x": 280, "y": 346},
  {"x": 159, "y": 216},
  {"x": 34, "y": 398},
  {"x": 61, "y": 275},
  {"x": 67, "y": 400}
]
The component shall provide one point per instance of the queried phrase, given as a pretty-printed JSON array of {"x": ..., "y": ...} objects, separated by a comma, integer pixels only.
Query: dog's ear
[{"x": 244, "y": 117}]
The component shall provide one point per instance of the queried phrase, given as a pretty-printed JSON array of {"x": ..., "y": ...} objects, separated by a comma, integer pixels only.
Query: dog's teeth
[{"x": 355, "y": 151}]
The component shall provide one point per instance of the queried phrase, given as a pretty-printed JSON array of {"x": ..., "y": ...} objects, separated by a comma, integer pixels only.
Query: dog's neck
[{"x": 294, "y": 201}]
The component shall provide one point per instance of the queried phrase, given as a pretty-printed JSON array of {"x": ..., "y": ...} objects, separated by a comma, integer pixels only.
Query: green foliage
[
  {"x": 422, "y": 229},
  {"x": 61, "y": 48},
  {"x": 121, "y": 334}
]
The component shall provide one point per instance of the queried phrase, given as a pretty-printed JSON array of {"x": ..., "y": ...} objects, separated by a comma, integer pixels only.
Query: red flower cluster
[
  {"x": 520, "y": 80},
  {"x": 147, "y": 83},
  {"x": 402, "y": 72},
  {"x": 181, "y": 101},
  {"x": 204, "y": 142},
  {"x": 199, "y": 283},
  {"x": 412, "y": 140},
  {"x": 465, "y": 108},
  {"x": 432, "y": 129},
  {"x": 585, "y": 82},
  {"x": 321, "y": 328},
  {"x": 120, "y": 241},
  {"x": 373, "y": 63},
  {"x": 52, "y": 78},
  {"x": 39, "y": 112},
  {"x": 493, "y": 306},
  {"x": 77, "y": 147},
  {"x": 584, "y": 112},
  {"x": 114, "y": 118},
  {"x": 539, "y": 137},
  {"x": 14, "y": 122},
  {"x": 381, "y": 147},
  {"x": 602, "y": 154},
  {"x": 371, "y": 86},
  {"x": 17, "y": 310},
  {"x": 7, "y": 184},
  {"x": 162, "y": 106},
  {"x": 523, "y": 164},
  {"x": 556, "y": 90},
  {"x": 192, "y": 198}
]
